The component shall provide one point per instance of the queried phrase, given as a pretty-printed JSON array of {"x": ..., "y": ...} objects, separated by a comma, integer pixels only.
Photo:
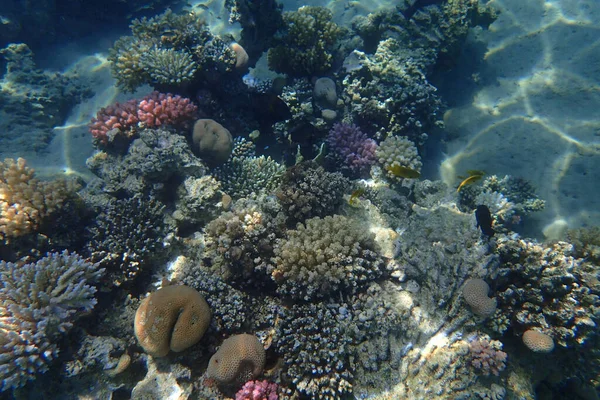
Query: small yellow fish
[
  {"x": 474, "y": 176},
  {"x": 355, "y": 195},
  {"x": 403, "y": 172}
]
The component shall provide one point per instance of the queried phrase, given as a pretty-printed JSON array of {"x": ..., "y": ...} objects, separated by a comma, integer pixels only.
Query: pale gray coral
[
  {"x": 153, "y": 161},
  {"x": 397, "y": 151},
  {"x": 243, "y": 176},
  {"x": 518, "y": 191},
  {"x": 39, "y": 303},
  {"x": 168, "y": 66},
  {"x": 324, "y": 256},
  {"x": 198, "y": 201}
]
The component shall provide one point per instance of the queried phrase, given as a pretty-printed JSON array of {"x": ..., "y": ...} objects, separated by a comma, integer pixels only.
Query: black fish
[
  {"x": 484, "y": 220},
  {"x": 269, "y": 107},
  {"x": 417, "y": 5}
]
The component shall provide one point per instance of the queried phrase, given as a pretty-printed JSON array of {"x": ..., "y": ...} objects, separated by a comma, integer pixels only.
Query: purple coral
[
  {"x": 353, "y": 147},
  {"x": 487, "y": 356},
  {"x": 257, "y": 390}
]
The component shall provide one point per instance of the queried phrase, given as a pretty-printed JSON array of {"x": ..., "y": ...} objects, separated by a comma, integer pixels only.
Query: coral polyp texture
[
  {"x": 257, "y": 390},
  {"x": 487, "y": 356},
  {"x": 324, "y": 256},
  {"x": 123, "y": 122},
  {"x": 352, "y": 148},
  {"x": 397, "y": 151},
  {"x": 39, "y": 302},
  {"x": 171, "y": 319},
  {"x": 25, "y": 201},
  {"x": 239, "y": 359}
]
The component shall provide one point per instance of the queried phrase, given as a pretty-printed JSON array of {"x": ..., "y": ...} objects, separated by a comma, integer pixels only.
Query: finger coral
[
  {"x": 172, "y": 318},
  {"x": 25, "y": 201},
  {"x": 239, "y": 359},
  {"x": 324, "y": 256},
  {"x": 38, "y": 304}
]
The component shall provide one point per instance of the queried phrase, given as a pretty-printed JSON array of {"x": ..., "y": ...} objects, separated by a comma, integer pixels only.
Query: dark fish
[
  {"x": 417, "y": 5},
  {"x": 484, "y": 220},
  {"x": 307, "y": 136},
  {"x": 270, "y": 107}
]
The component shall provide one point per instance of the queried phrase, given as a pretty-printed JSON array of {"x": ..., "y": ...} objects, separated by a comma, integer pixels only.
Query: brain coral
[
  {"x": 172, "y": 318},
  {"x": 239, "y": 359},
  {"x": 325, "y": 256},
  {"x": 475, "y": 293},
  {"x": 212, "y": 140},
  {"x": 538, "y": 341}
]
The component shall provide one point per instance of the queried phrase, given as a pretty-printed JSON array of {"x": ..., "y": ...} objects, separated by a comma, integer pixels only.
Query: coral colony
[{"x": 277, "y": 240}]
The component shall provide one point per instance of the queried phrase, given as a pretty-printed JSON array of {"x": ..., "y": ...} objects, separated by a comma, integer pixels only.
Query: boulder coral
[
  {"x": 172, "y": 318},
  {"x": 239, "y": 359},
  {"x": 212, "y": 141},
  {"x": 475, "y": 293}
]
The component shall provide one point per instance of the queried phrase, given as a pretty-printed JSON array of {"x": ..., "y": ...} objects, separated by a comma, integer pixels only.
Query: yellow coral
[{"x": 25, "y": 200}]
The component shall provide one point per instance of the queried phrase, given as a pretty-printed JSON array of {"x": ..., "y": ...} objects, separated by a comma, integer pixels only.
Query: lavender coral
[
  {"x": 38, "y": 303},
  {"x": 487, "y": 356},
  {"x": 257, "y": 390},
  {"x": 352, "y": 148}
]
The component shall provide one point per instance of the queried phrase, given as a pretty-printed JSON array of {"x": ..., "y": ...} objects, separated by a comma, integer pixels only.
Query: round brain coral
[
  {"x": 172, "y": 318},
  {"x": 212, "y": 141},
  {"x": 538, "y": 341},
  {"x": 475, "y": 292},
  {"x": 239, "y": 359}
]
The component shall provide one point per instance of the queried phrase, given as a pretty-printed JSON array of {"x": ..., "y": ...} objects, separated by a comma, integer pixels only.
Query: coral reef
[
  {"x": 257, "y": 390},
  {"x": 307, "y": 43},
  {"x": 168, "y": 51},
  {"x": 545, "y": 287},
  {"x": 396, "y": 151},
  {"x": 117, "y": 125},
  {"x": 487, "y": 356},
  {"x": 25, "y": 201},
  {"x": 243, "y": 176},
  {"x": 308, "y": 191},
  {"x": 324, "y": 256},
  {"x": 128, "y": 237},
  {"x": 353, "y": 148},
  {"x": 34, "y": 101},
  {"x": 586, "y": 243},
  {"x": 239, "y": 359},
  {"x": 38, "y": 304},
  {"x": 172, "y": 318}
]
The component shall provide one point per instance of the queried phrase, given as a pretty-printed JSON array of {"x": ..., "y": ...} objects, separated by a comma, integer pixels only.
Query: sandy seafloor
[{"x": 532, "y": 111}]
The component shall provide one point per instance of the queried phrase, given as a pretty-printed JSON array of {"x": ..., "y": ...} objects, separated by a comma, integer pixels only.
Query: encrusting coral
[
  {"x": 172, "y": 318},
  {"x": 38, "y": 304}
]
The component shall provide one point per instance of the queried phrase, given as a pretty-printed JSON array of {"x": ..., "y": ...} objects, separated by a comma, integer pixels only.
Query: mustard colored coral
[
  {"x": 25, "y": 200},
  {"x": 172, "y": 318}
]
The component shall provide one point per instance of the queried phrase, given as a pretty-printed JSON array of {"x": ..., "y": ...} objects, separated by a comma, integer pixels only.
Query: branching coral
[
  {"x": 307, "y": 42},
  {"x": 397, "y": 151},
  {"x": 243, "y": 176},
  {"x": 38, "y": 304},
  {"x": 25, "y": 201},
  {"x": 352, "y": 147},
  {"x": 324, "y": 256}
]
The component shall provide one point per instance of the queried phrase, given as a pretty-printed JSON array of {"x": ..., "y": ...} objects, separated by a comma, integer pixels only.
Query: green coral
[
  {"x": 169, "y": 66},
  {"x": 307, "y": 43},
  {"x": 241, "y": 177}
]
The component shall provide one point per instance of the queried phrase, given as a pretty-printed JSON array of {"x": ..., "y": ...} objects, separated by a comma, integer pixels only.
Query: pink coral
[
  {"x": 156, "y": 109},
  {"x": 487, "y": 356},
  {"x": 257, "y": 390}
]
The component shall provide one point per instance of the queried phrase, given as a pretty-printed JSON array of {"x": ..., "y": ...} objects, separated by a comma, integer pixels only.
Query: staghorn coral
[
  {"x": 308, "y": 191},
  {"x": 307, "y": 42},
  {"x": 398, "y": 151},
  {"x": 127, "y": 237},
  {"x": 117, "y": 125},
  {"x": 239, "y": 359},
  {"x": 25, "y": 201},
  {"x": 172, "y": 318},
  {"x": 324, "y": 256},
  {"x": 39, "y": 303},
  {"x": 352, "y": 148}
]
